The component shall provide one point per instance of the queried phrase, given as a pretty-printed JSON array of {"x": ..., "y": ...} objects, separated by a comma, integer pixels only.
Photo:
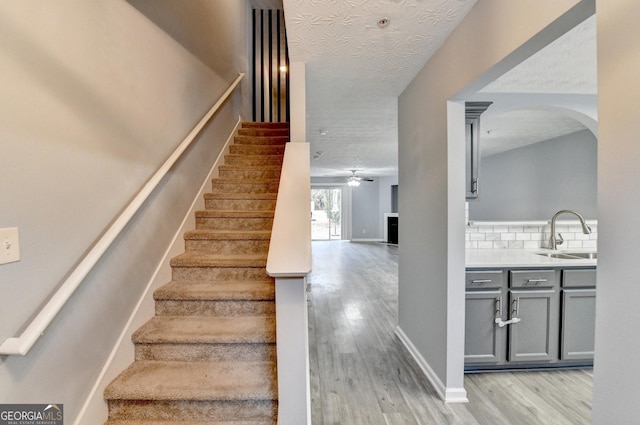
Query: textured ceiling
[{"x": 356, "y": 70}]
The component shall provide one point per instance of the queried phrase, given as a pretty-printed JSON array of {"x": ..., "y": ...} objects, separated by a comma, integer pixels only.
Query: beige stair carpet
[{"x": 208, "y": 356}]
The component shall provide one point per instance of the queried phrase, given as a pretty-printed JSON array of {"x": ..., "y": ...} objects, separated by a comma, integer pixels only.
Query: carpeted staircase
[{"x": 208, "y": 356}]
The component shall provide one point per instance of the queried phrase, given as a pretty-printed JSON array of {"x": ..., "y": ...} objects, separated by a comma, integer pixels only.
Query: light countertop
[{"x": 481, "y": 258}]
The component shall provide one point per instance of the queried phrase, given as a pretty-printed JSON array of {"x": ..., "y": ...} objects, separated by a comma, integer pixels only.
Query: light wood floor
[{"x": 362, "y": 375}]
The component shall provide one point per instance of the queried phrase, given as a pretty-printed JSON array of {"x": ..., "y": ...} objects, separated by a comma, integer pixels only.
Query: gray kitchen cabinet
[
  {"x": 535, "y": 337},
  {"x": 534, "y": 317},
  {"x": 578, "y": 314},
  {"x": 483, "y": 339}
]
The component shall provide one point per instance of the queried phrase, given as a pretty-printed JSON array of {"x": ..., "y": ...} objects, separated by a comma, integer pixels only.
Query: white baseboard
[
  {"x": 95, "y": 408},
  {"x": 367, "y": 240},
  {"x": 448, "y": 395}
]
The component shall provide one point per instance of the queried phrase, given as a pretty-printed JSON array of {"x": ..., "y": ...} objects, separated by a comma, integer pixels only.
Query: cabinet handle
[
  {"x": 536, "y": 280},
  {"x": 498, "y": 307},
  {"x": 482, "y": 281},
  {"x": 515, "y": 306},
  {"x": 474, "y": 186}
]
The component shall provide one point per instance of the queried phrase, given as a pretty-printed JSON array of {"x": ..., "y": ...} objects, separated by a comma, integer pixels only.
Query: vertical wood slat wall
[{"x": 270, "y": 53}]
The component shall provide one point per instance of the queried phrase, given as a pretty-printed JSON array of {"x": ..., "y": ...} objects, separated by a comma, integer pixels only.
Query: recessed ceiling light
[{"x": 382, "y": 23}]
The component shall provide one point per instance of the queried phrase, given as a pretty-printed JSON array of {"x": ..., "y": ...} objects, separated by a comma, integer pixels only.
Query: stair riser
[
  {"x": 228, "y": 247},
  {"x": 214, "y": 223},
  {"x": 167, "y": 410},
  {"x": 215, "y": 308},
  {"x": 206, "y": 352},
  {"x": 263, "y": 132},
  {"x": 240, "y": 204},
  {"x": 219, "y": 273},
  {"x": 256, "y": 150},
  {"x": 249, "y": 174},
  {"x": 258, "y": 124},
  {"x": 253, "y": 140},
  {"x": 254, "y": 160},
  {"x": 221, "y": 186}
]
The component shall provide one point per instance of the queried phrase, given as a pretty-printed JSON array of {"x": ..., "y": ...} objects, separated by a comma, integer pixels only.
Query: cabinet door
[
  {"x": 483, "y": 338},
  {"x": 578, "y": 324},
  {"x": 535, "y": 337}
]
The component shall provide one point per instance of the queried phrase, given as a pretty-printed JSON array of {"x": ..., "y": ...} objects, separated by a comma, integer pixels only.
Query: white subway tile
[
  {"x": 516, "y": 244},
  {"x": 485, "y": 229},
  {"x": 471, "y": 245},
  {"x": 500, "y": 229},
  {"x": 485, "y": 245},
  {"x": 523, "y": 236},
  {"x": 531, "y": 244},
  {"x": 476, "y": 237},
  {"x": 574, "y": 244},
  {"x": 516, "y": 229},
  {"x": 532, "y": 229},
  {"x": 493, "y": 236},
  {"x": 590, "y": 244},
  {"x": 508, "y": 236},
  {"x": 500, "y": 245}
]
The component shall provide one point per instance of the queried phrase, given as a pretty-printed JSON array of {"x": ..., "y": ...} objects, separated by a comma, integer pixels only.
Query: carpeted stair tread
[
  {"x": 245, "y": 196},
  {"x": 234, "y": 213},
  {"x": 228, "y": 234},
  {"x": 174, "y": 380},
  {"x": 216, "y": 290},
  {"x": 203, "y": 259},
  {"x": 207, "y": 329},
  {"x": 265, "y": 124}
]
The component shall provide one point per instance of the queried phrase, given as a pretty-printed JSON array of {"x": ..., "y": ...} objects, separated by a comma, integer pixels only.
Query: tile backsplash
[{"x": 528, "y": 235}]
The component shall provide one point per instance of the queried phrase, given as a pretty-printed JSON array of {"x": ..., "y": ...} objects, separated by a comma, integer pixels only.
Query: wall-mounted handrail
[{"x": 22, "y": 344}]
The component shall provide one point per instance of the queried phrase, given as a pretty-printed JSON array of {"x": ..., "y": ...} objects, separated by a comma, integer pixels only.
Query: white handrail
[{"x": 22, "y": 344}]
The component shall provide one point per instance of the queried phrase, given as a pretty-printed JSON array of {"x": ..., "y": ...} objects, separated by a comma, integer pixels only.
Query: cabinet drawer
[
  {"x": 484, "y": 279},
  {"x": 579, "y": 278},
  {"x": 532, "y": 278}
]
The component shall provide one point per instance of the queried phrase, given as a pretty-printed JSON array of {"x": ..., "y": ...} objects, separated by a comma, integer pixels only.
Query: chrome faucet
[{"x": 552, "y": 240}]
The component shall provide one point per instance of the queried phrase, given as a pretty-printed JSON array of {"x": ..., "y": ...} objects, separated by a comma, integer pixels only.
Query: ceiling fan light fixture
[{"x": 353, "y": 183}]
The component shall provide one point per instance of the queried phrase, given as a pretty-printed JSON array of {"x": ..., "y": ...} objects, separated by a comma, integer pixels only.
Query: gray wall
[
  {"x": 95, "y": 97},
  {"x": 535, "y": 181},
  {"x": 365, "y": 211},
  {"x": 615, "y": 399},
  {"x": 494, "y": 37}
]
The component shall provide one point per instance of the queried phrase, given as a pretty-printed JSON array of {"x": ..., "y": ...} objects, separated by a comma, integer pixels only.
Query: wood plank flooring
[{"x": 362, "y": 375}]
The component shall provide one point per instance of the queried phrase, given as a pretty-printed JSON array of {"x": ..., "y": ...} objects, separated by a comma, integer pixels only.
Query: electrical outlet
[{"x": 9, "y": 245}]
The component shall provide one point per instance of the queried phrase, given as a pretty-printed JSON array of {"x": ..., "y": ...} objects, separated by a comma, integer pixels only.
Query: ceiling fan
[{"x": 354, "y": 181}]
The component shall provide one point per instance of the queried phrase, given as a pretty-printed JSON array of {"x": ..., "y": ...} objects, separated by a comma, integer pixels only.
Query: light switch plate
[{"x": 9, "y": 245}]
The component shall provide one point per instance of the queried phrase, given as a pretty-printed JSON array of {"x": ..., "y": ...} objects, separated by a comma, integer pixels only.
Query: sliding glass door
[{"x": 326, "y": 213}]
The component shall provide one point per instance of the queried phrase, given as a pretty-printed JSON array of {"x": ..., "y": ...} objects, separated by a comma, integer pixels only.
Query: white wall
[
  {"x": 95, "y": 97},
  {"x": 616, "y": 368},
  {"x": 495, "y": 35}
]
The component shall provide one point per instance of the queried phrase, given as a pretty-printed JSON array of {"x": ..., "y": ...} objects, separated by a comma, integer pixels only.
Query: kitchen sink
[{"x": 571, "y": 255}]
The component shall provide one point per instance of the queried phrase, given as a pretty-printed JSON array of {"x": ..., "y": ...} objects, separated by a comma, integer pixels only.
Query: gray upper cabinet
[{"x": 473, "y": 110}]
